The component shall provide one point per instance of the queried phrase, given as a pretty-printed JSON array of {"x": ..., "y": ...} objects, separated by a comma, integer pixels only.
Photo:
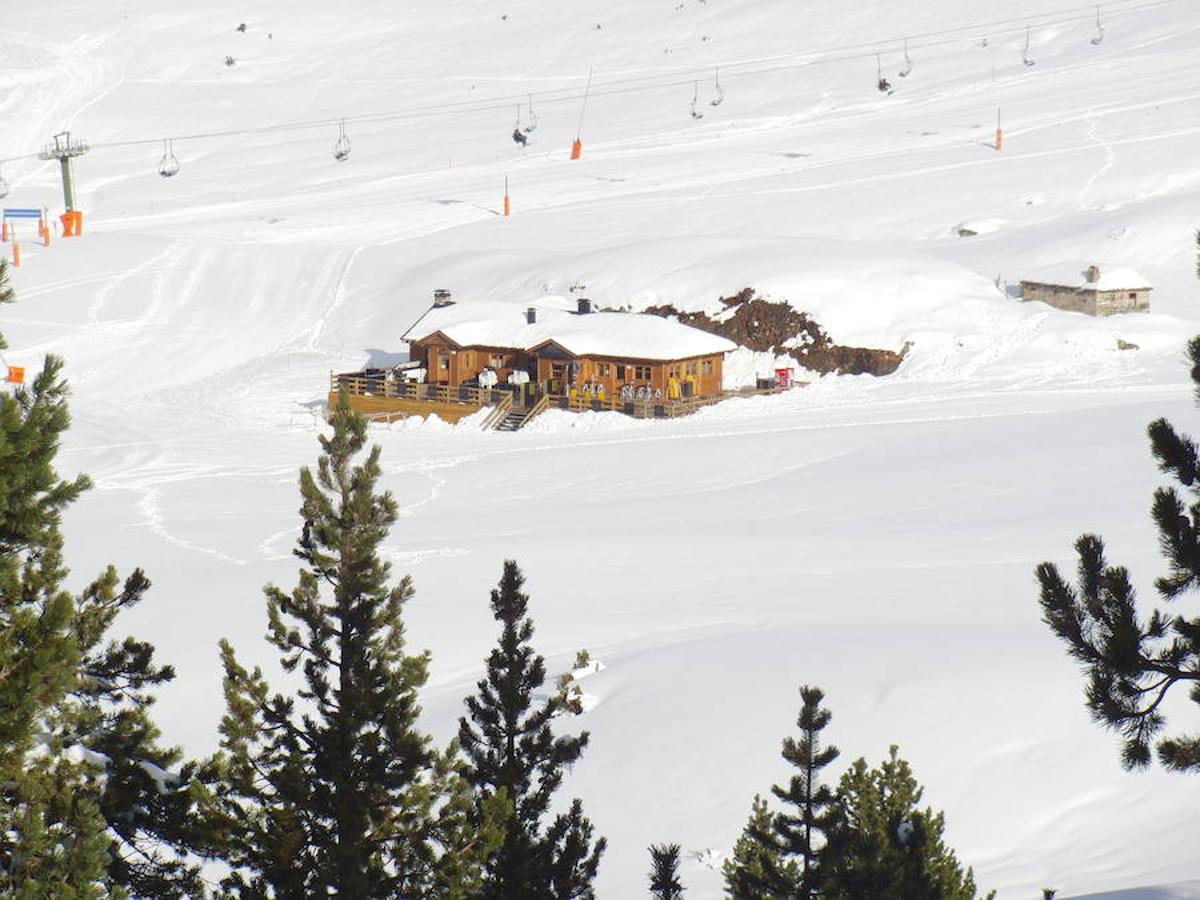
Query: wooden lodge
[
  {"x": 465, "y": 356},
  {"x": 1096, "y": 290}
]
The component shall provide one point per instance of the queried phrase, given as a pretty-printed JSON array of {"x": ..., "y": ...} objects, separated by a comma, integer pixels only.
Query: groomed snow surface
[{"x": 876, "y": 537}]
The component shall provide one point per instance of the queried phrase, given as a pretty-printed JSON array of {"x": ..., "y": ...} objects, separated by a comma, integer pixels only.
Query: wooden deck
[{"x": 385, "y": 399}]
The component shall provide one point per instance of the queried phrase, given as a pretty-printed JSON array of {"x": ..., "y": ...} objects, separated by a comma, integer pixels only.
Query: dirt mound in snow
[{"x": 778, "y": 327}]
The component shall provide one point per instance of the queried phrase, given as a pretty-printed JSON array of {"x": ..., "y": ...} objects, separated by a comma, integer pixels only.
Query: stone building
[{"x": 1096, "y": 290}]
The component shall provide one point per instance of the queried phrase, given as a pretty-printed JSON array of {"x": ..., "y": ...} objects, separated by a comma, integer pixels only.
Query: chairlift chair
[
  {"x": 341, "y": 149},
  {"x": 533, "y": 119},
  {"x": 518, "y": 135},
  {"x": 1027, "y": 55},
  {"x": 168, "y": 166},
  {"x": 906, "y": 69},
  {"x": 720, "y": 91},
  {"x": 696, "y": 114},
  {"x": 883, "y": 84},
  {"x": 1099, "y": 29}
]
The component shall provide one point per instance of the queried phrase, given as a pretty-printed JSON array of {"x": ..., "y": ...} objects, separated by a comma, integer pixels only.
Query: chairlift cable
[{"x": 636, "y": 84}]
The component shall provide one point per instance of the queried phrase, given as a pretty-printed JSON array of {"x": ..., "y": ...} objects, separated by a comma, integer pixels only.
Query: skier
[{"x": 519, "y": 137}]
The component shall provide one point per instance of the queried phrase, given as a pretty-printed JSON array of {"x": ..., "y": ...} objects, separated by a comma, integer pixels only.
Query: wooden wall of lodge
[{"x": 447, "y": 365}]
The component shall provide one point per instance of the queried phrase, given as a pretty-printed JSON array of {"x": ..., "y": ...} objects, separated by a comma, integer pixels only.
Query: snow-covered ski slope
[{"x": 875, "y": 537}]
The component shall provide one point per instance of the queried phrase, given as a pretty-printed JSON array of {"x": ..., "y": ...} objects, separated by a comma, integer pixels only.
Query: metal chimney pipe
[
  {"x": 531, "y": 315},
  {"x": 585, "y": 306}
]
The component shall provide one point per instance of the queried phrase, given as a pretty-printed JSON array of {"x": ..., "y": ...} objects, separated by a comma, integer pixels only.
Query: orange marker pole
[
  {"x": 4, "y": 233},
  {"x": 999, "y": 133},
  {"x": 16, "y": 255},
  {"x": 78, "y": 214},
  {"x": 577, "y": 149},
  {"x": 68, "y": 222},
  {"x": 507, "y": 203}
]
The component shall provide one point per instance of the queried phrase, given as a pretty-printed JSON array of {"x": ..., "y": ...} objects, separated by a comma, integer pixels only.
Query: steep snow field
[{"x": 875, "y": 537}]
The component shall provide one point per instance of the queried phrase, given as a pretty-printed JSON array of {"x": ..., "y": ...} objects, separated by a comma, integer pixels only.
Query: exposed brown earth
[{"x": 765, "y": 325}]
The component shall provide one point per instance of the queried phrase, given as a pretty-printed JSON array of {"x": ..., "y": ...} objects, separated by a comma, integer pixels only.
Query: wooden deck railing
[
  {"x": 380, "y": 386},
  {"x": 377, "y": 385}
]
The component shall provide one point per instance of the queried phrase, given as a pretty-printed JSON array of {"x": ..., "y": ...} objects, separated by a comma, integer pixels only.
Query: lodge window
[
  {"x": 672, "y": 371},
  {"x": 497, "y": 361},
  {"x": 603, "y": 370},
  {"x": 443, "y": 362},
  {"x": 620, "y": 373},
  {"x": 557, "y": 370},
  {"x": 641, "y": 373},
  {"x": 1133, "y": 295},
  {"x": 691, "y": 368},
  {"x": 706, "y": 367}
]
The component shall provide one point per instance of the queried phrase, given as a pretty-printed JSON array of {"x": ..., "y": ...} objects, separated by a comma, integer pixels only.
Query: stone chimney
[
  {"x": 585, "y": 306},
  {"x": 530, "y": 315},
  {"x": 441, "y": 297},
  {"x": 1092, "y": 274}
]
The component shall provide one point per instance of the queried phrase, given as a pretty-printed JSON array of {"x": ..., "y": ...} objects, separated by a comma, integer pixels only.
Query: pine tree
[
  {"x": 335, "y": 789},
  {"x": 800, "y": 835},
  {"x": 882, "y": 846},
  {"x": 757, "y": 868},
  {"x": 1132, "y": 663},
  {"x": 512, "y": 751},
  {"x": 664, "y": 872},
  {"x": 78, "y": 815}
]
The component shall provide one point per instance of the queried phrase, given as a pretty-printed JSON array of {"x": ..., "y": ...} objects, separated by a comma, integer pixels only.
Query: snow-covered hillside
[{"x": 876, "y": 537}]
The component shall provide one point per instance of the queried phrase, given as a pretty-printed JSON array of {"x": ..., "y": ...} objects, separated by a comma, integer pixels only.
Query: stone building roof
[{"x": 1097, "y": 277}]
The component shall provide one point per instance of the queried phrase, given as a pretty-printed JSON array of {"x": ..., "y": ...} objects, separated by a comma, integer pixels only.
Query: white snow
[
  {"x": 876, "y": 537},
  {"x": 620, "y": 334}
]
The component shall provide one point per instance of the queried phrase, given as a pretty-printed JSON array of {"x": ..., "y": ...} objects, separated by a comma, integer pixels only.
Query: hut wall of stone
[{"x": 1093, "y": 303}]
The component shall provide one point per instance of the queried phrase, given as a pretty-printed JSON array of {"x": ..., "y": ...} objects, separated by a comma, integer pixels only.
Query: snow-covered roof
[
  {"x": 618, "y": 334},
  {"x": 1110, "y": 278}
]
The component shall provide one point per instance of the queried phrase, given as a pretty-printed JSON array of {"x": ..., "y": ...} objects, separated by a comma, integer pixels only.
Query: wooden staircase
[{"x": 505, "y": 418}]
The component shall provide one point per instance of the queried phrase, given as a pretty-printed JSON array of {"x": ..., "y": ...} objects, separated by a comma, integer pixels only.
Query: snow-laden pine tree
[
  {"x": 512, "y": 752},
  {"x": 881, "y": 845},
  {"x": 331, "y": 787},
  {"x": 1133, "y": 661},
  {"x": 801, "y": 828},
  {"x": 757, "y": 868},
  {"x": 87, "y": 805},
  {"x": 664, "y": 872},
  {"x": 787, "y": 863}
]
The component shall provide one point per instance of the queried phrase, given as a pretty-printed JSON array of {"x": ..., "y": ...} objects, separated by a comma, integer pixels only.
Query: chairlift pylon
[
  {"x": 1099, "y": 29},
  {"x": 696, "y": 114},
  {"x": 885, "y": 86},
  {"x": 341, "y": 149},
  {"x": 906, "y": 69},
  {"x": 168, "y": 166},
  {"x": 533, "y": 120},
  {"x": 720, "y": 91},
  {"x": 1027, "y": 55}
]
